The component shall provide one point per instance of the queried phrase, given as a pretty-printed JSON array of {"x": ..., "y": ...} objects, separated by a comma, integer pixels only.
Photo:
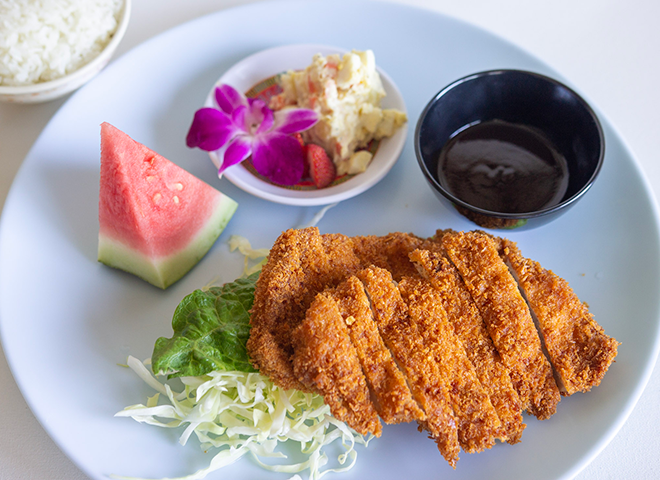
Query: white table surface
[{"x": 609, "y": 49}]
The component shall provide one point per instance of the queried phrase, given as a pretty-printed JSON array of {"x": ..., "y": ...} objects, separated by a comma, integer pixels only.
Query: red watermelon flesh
[{"x": 156, "y": 219}]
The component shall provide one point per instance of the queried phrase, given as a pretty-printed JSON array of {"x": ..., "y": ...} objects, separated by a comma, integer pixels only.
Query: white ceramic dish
[
  {"x": 46, "y": 91},
  {"x": 66, "y": 321},
  {"x": 262, "y": 65}
]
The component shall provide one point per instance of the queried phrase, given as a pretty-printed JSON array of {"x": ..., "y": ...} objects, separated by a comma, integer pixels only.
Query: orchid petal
[
  {"x": 257, "y": 112},
  {"x": 228, "y": 98},
  {"x": 278, "y": 157},
  {"x": 239, "y": 117},
  {"x": 255, "y": 103},
  {"x": 210, "y": 130},
  {"x": 294, "y": 120},
  {"x": 242, "y": 126},
  {"x": 266, "y": 119},
  {"x": 238, "y": 150}
]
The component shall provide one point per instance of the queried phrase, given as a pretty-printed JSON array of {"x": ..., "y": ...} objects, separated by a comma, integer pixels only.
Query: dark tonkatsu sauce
[{"x": 503, "y": 167}]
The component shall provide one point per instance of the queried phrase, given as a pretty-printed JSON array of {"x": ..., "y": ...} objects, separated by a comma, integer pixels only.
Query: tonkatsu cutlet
[
  {"x": 289, "y": 281},
  {"x": 342, "y": 261},
  {"x": 471, "y": 331},
  {"x": 390, "y": 393},
  {"x": 389, "y": 252},
  {"x": 453, "y": 345},
  {"x": 301, "y": 264},
  {"x": 325, "y": 361},
  {"x": 577, "y": 346},
  {"x": 507, "y": 318},
  {"x": 477, "y": 422},
  {"x": 402, "y": 338}
]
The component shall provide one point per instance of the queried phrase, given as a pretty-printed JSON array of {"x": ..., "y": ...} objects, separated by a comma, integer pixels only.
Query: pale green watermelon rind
[{"x": 166, "y": 270}]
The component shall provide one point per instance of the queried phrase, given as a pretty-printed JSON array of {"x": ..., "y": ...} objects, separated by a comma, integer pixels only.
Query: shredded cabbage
[
  {"x": 242, "y": 413},
  {"x": 242, "y": 244},
  {"x": 318, "y": 216}
]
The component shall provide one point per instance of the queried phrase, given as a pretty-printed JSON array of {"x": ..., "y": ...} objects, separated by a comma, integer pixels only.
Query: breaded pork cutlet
[
  {"x": 476, "y": 420},
  {"x": 301, "y": 264},
  {"x": 289, "y": 281},
  {"x": 326, "y": 362},
  {"x": 389, "y": 252},
  {"x": 390, "y": 393},
  {"x": 507, "y": 317},
  {"x": 471, "y": 331},
  {"x": 342, "y": 261},
  {"x": 402, "y": 338},
  {"x": 577, "y": 346}
]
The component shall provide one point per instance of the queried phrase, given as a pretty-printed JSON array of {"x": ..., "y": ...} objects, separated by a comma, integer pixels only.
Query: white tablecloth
[{"x": 610, "y": 50}]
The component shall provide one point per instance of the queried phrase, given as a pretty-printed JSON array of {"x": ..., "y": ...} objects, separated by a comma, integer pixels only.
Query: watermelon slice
[{"x": 156, "y": 220}]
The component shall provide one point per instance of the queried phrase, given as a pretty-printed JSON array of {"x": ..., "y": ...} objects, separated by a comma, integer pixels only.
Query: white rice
[{"x": 41, "y": 40}]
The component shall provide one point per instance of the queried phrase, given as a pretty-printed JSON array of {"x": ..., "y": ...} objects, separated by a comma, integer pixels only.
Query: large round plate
[
  {"x": 68, "y": 321},
  {"x": 272, "y": 61}
]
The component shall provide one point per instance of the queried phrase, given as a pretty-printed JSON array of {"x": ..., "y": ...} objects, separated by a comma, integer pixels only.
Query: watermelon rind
[{"x": 163, "y": 271}]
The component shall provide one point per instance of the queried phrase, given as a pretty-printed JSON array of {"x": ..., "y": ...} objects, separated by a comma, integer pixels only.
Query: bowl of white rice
[{"x": 49, "y": 48}]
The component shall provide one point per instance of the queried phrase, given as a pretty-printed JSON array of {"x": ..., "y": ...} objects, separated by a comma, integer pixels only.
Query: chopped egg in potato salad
[{"x": 346, "y": 91}]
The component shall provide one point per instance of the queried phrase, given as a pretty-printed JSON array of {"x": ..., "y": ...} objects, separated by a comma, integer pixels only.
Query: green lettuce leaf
[{"x": 211, "y": 329}]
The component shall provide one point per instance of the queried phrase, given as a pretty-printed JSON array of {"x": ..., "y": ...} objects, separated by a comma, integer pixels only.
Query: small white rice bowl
[{"x": 51, "y": 47}]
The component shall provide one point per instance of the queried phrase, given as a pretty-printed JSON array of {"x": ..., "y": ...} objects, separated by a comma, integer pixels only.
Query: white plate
[
  {"x": 265, "y": 64},
  {"x": 67, "y": 321}
]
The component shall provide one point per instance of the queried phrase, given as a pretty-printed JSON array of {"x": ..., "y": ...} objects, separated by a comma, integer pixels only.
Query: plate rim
[{"x": 649, "y": 365}]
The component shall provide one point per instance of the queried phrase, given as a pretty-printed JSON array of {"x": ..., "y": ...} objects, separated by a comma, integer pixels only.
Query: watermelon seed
[
  {"x": 157, "y": 197},
  {"x": 176, "y": 199}
]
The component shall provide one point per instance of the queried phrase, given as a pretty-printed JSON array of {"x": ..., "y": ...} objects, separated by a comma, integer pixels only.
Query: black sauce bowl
[{"x": 522, "y": 98}]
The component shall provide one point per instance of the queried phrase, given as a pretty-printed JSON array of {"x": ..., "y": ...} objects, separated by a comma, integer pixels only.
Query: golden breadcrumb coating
[
  {"x": 283, "y": 293},
  {"x": 477, "y": 422},
  {"x": 342, "y": 261},
  {"x": 577, "y": 346},
  {"x": 405, "y": 343},
  {"x": 507, "y": 318},
  {"x": 453, "y": 345},
  {"x": 471, "y": 331},
  {"x": 301, "y": 264},
  {"x": 326, "y": 362},
  {"x": 389, "y": 252},
  {"x": 390, "y": 393}
]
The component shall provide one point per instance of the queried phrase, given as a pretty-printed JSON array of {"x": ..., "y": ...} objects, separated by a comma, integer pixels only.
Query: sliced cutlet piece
[
  {"x": 476, "y": 419},
  {"x": 389, "y": 252},
  {"x": 342, "y": 261},
  {"x": 295, "y": 272},
  {"x": 326, "y": 362},
  {"x": 578, "y": 348},
  {"x": 390, "y": 392},
  {"x": 471, "y": 331},
  {"x": 507, "y": 318},
  {"x": 397, "y": 247},
  {"x": 368, "y": 250},
  {"x": 404, "y": 341}
]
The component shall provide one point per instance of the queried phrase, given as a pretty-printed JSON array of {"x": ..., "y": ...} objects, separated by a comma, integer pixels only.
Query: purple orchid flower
[{"x": 246, "y": 126}]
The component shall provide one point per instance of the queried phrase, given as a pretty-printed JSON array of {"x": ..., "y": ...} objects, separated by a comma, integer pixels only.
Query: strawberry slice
[{"x": 321, "y": 168}]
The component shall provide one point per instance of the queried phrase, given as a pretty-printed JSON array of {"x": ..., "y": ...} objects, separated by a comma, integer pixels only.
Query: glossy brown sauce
[{"x": 503, "y": 167}]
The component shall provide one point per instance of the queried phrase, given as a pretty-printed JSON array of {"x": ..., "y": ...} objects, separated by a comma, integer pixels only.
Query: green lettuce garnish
[{"x": 211, "y": 329}]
